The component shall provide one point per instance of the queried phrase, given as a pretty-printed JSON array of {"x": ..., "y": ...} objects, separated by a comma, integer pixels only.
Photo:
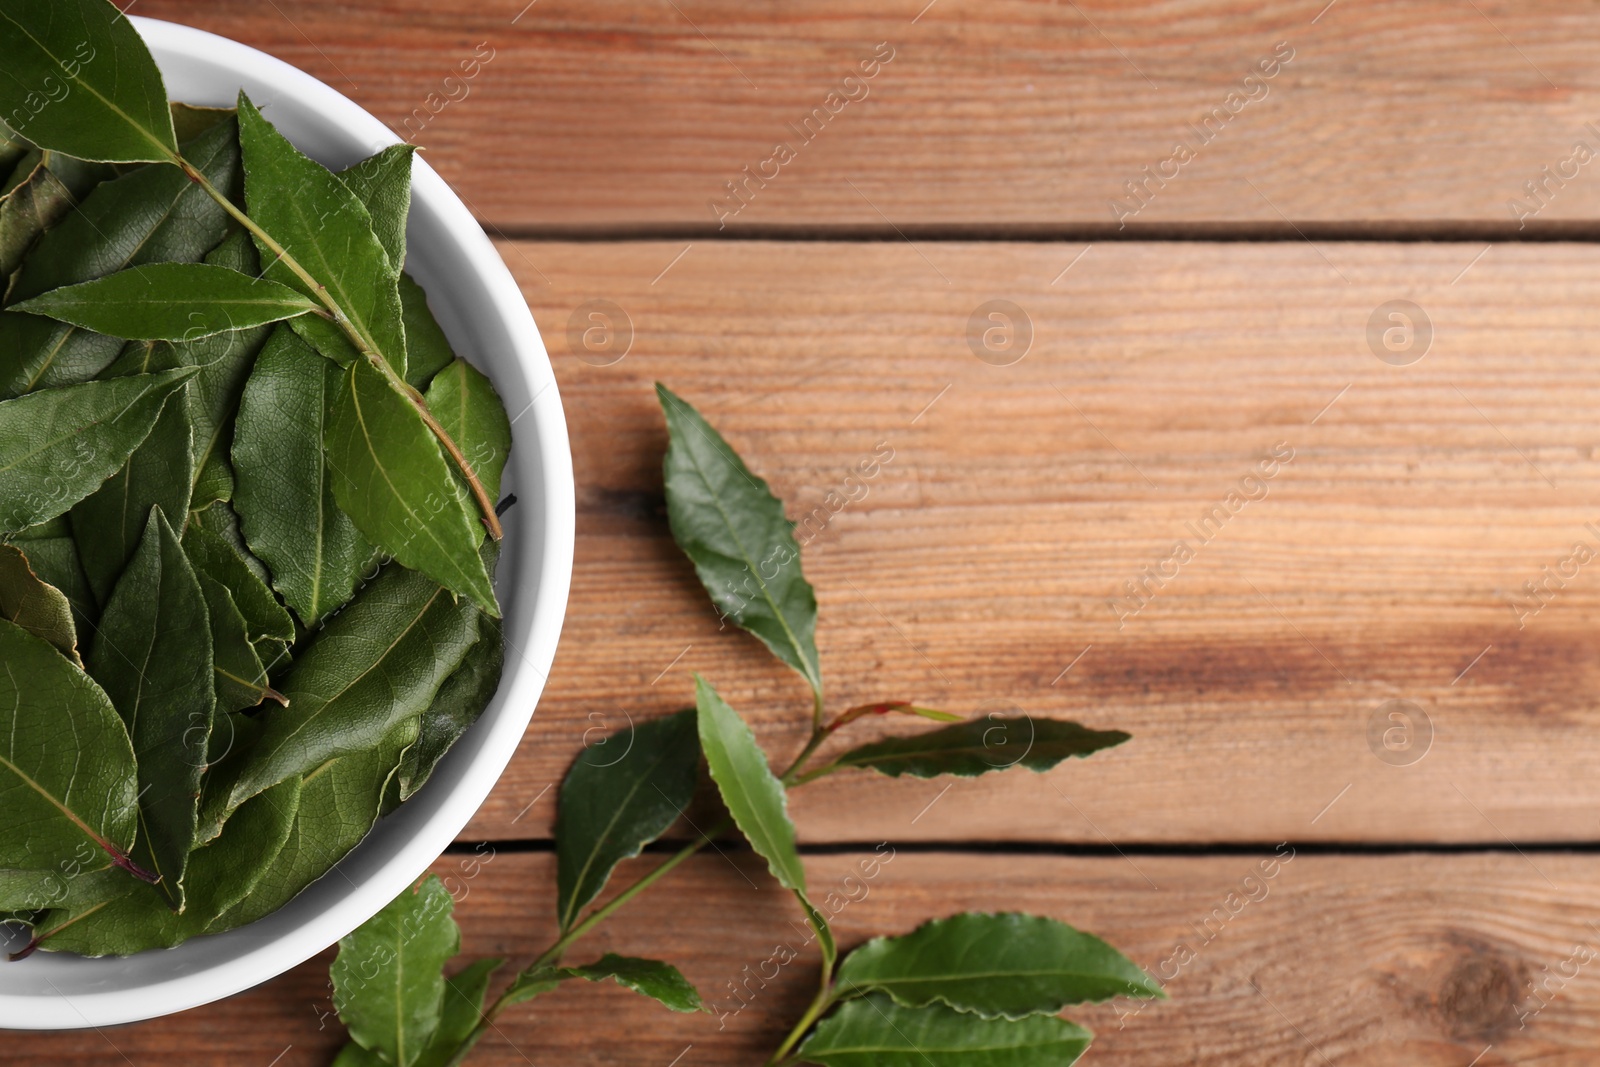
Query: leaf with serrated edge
[
  {"x": 170, "y": 302},
  {"x": 753, "y": 795},
  {"x": 652, "y": 978},
  {"x": 390, "y": 476},
  {"x": 35, "y": 605},
  {"x": 150, "y": 215},
  {"x": 382, "y": 182},
  {"x": 282, "y": 491},
  {"x": 57, "y": 446},
  {"x": 112, "y": 105},
  {"x": 733, "y": 529},
  {"x": 153, "y": 655},
  {"x": 1000, "y": 966},
  {"x": 621, "y": 794},
  {"x": 388, "y": 979},
  {"x": 379, "y": 662},
  {"x": 463, "y": 399},
  {"x": 876, "y": 1032},
  {"x": 66, "y": 765},
  {"x": 979, "y": 746},
  {"x": 321, "y": 224},
  {"x": 221, "y": 874}
]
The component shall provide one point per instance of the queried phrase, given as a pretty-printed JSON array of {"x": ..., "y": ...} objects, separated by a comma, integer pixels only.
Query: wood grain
[
  {"x": 1381, "y": 564},
  {"x": 1372, "y": 960},
  {"x": 626, "y": 114}
]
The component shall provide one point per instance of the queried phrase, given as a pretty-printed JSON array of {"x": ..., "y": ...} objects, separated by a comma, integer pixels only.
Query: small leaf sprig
[{"x": 972, "y": 989}]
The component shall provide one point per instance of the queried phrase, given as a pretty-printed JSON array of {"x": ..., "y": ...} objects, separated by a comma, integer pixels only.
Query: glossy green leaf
[
  {"x": 622, "y": 793},
  {"x": 317, "y": 219},
  {"x": 979, "y": 746},
  {"x": 153, "y": 655},
  {"x": 999, "y": 966},
  {"x": 70, "y": 885},
  {"x": 462, "y": 398},
  {"x": 78, "y": 79},
  {"x": 388, "y": 980},
  {"x": 652, "y": 978},
  {"x": 390, "y": 476},
  {"x": 378, "y": 663},
  {"x": 66, "y": 766},
  {"x": 876, "y": 1032},
  {"x": 464, "y": 997},
  {"x": 339, "y": 803},
  {"x": 35, "y": 605},
  {"x": 282, "y": 489},
  {"x": 382, "y": 182},
  {"x": 151, "y": 215},
  {"x": 220, "y": 875},
  {"x": 733, "y": 529},
  {"x": 109, "y": 522},
  {"x": 428, "y": 351},
  {"x": 238, "y": 676},
  {"x": 460, "y": 700},
  {"x": 58, "y": 445},
  {"x": 171, "y": 302},
  {"x": 265, "y": 619},
  {"x": 753, "y": 795},
  {"x": 190, "y": 121}
]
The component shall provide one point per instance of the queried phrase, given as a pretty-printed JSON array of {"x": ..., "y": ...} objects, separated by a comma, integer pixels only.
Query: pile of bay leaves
[{"x": 247, "y": 532}]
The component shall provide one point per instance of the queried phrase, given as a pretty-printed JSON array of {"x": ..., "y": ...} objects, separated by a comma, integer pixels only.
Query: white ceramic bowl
[{"x": 483, "y": 313}]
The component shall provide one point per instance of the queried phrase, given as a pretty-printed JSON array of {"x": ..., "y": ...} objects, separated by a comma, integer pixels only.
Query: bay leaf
[
  {"x": 68, "y": 885},
  {"x": 150, "y": 215},
  {"x": 388, "y": 979},
  {"x": 874, "y": 1031},
  {"x": 382, "y": 182},
  {"x": 428, "y": 351},
  {"x": 220, "y": 875},
  {"x": 390, "y": 476},
  {"x": 153, "y": 656},
  {"x": 34, "y": 202},
  {"x": 659, "y": 981},
  {"x": 462, "y": 398},
  {"x": 323, "y": 225},
  {"x": 282, "y": 489},
  {"x": 79, "y": 79},
  {"x": 35, "y": 605},
  {"x": 732, "y": 528},
  {"x": 108, "y": 523},
  {"x": 55, "y": 561},
  {"x": 58, "y": 445},
  {"x": 66, "y": 764},
  {"x": 978, "y": 746},
  {"x": 621, "y": 794},
  {"x": 378, "y": 663},
  {"x": 239, "y": 679},
  {"x": 213, "y": 557},
  {"x": 465, "y": 995},
  {"x": 459, "y": 703},
  {"x": 1007, "y": 966},
  {"x": 190, "y": 120},
  {"x": 170, "y": 302}
]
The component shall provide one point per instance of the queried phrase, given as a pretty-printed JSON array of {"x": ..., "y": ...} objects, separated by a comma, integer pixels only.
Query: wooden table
[{"x": 1235, "y": 303}]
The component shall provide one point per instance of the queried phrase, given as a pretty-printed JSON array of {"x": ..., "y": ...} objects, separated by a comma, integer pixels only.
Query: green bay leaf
[
  {"x": 620, "y": 794},
  {"x": 239, "y": 678},
  {"x": 462, "y": 398},
  {"x": 34, "y": 201},
  {"x": 382, "y": 182},
  {"x": 170, "y": 302},
  {"x": 58, "y": 445},
  {"x": 67, "y": 778},
  {"x": 55, "y": 561},
  {"x": 464, "y": 997},
  {"x": 388, "y": 979},
  {"x": 390, "y": 476},
  {"x": 459, "y": 702},
  {"x": 153, "y": 655},
  {"x": 79, "y": 79},
  {"x": 213, "y": 557},
  {"x": 1008, "y": 965},
  {"x": 376, "y": 664},
  {"x": 659, "y": 981},
  {"x": 874, "y": 1031},
  {"x": 979, "y": 746},
  {"x": 428, "y": 351},
  {"x": 732, "y": 528},
  {"x": 282, "y": 489},
  {"x": 35, "y": 605}
]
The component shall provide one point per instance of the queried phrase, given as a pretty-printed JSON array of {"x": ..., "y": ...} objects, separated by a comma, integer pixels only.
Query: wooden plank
[
  {"x": 1382, "y": 564},
  {"x": 1016, "y": 113},
  {"x": 1363, "y": 960}
]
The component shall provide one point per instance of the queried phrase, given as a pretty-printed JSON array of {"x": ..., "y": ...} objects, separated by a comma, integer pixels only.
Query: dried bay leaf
[{"x": 35, "y": 605}]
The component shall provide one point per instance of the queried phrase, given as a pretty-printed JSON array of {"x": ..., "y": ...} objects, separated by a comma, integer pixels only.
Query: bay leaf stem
[{"x": 362, "y": 343}]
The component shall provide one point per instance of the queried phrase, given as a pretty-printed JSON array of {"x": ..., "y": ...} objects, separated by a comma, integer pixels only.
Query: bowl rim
[{"x": 535, "y": 575}]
